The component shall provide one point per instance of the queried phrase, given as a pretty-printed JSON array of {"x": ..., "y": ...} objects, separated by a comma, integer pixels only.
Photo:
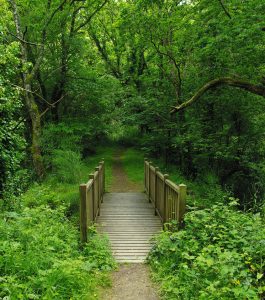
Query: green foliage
[
  {"x": 92, "y": 161},
  {"x": 67, "y": 166},
  {"x": 218, "y": 255},
  {"x": 12, "y": 142},
  {"x": 40, "y": 254},
  {"x": 164, "y": 52},
  {"x": 41, "y": 258},
  {"x": 202, "y": 192}
]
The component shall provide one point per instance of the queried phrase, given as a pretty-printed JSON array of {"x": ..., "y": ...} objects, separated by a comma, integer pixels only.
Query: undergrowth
[
  {"x": 219, "y": 255},
  {"x": 40, "y": 255}
]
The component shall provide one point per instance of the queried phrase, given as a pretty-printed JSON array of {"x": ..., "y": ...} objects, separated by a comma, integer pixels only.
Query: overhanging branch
[{"x": 239, "y": 83}]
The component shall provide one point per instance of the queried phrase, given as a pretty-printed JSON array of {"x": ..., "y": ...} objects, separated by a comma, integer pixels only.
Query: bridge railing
[
  {"x": 91, "y": 197},
  {"x": 169, "y": 199}
]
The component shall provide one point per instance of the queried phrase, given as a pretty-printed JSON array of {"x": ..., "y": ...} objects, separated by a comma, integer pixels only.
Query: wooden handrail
[
  {"x": 168, "y": 198},
  {"x": 91, "y": 197}
]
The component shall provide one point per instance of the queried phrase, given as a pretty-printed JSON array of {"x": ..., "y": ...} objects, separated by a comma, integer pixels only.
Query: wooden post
[
  {"x": 91, "y": 176},
  {"x": 83, "y": 212},
  {"x": 182, "y": 201},
  {"x": 165, "y": 198},
  {"x": 98, "y": 191},
  {"x": 101, "y": 180},
  {"x": 145, "y": 175},
  {"x": 155, "y": 200},
  {"x": 149, "y": 182},
  {"x": 103, "y": 175}
]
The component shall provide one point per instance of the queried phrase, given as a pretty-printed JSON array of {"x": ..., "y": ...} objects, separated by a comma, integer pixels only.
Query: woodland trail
[
  {"x": 130, "y": 281},
  {"x": 121, "y": 182}
]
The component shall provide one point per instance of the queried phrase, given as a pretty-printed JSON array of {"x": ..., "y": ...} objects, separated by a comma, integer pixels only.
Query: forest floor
[{"x": 129, "y": 281}]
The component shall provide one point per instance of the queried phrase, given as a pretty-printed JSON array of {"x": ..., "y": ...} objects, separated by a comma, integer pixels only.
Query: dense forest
[{"x": 181, "y": 82}]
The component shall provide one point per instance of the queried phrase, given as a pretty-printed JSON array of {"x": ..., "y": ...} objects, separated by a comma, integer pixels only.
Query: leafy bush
[
  {"x": 219, "y": 255},
  {"x": 13, "y": 177},
  {"x": 41, "y": 259}
]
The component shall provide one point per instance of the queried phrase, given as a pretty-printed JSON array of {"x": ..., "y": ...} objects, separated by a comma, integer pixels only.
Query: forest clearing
[{"x": 132, "y": 149}]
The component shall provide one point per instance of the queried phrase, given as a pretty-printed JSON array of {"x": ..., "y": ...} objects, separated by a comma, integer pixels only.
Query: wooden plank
[{"x": 129, "y": 221}]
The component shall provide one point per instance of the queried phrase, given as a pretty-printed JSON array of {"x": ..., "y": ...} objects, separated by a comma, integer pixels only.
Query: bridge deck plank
[{"x": 129, "y": 221}]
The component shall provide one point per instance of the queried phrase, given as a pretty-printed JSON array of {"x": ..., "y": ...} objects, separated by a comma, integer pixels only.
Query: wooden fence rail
[
  {"x": 169, "y": 199},
  {"x": 91, "y": 197}
]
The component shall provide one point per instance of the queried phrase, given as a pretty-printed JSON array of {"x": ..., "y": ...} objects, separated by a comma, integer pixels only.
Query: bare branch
[
  {"x": 34, "y": 93},
  {"x": 52, "y": 105},
  {"x": 239, "y": 83}
]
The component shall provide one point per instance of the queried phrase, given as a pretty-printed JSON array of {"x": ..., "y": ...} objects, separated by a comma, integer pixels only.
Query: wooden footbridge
[{"x": 131, "y": 219}]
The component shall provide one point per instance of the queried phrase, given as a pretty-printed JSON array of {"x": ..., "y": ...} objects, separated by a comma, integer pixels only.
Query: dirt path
[
  {"x": 121, "y": 183},
  {"x": 129, "y": 281}
]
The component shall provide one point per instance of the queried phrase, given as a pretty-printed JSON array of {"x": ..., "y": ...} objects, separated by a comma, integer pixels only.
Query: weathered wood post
[
  {"x": 149, "y": 182},
  {"x": 165, "y": 198},
  {"x": 91, "y": 176},
  {"x": 98, "y": 189},
  {"x": 83, "y": 212},
  {"x": 182, "y": 201},
  {"x": 155, "y": 188},
  {"x": 145, "y": 175},
  {"x": 101, "y": 180},
  {"x": 103, "y": 176}
]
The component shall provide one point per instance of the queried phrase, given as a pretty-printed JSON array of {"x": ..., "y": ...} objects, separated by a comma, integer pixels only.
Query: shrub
[
  {"x": 41, "y": 258},
  {"x": 219, "y": 255}
]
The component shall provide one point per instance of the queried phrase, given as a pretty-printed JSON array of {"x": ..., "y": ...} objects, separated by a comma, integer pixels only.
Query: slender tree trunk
[{"x": 30, "y": 102}]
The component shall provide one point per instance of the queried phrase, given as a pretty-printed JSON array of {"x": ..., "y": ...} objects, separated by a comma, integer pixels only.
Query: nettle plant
[{"x": 219, "y": 255}]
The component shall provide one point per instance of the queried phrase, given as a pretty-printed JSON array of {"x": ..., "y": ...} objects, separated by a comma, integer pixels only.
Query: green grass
[{"x": 133, "y": 163}]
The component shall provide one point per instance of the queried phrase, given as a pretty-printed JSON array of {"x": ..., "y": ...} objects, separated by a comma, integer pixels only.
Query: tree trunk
[
  {"x": 35, "y": 132},
  {"x": 30, "y": 102}
]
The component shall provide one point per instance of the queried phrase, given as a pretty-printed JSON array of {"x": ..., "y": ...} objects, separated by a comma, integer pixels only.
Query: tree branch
[
  {"x": 51, "y": 106},
  {"x": 224, "y": 9},
  {"x": 44, "y": 34},
  {"x": 22, "y": 40},
  {"x": 177, "y": 66},
  {"x": 239, "y": 83},
  {"x": 91, "y": 16}
]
